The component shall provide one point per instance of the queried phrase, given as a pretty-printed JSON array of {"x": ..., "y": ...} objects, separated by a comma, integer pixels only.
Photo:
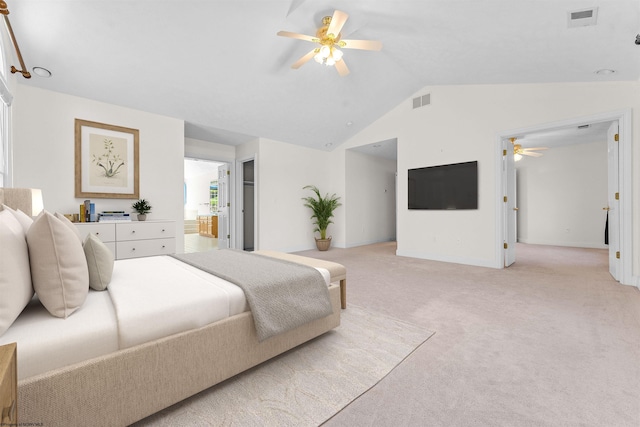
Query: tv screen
[{"x": 453, "y": 186}]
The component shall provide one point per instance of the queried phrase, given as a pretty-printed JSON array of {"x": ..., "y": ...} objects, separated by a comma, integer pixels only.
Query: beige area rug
[{"x": 307, "y": 385}]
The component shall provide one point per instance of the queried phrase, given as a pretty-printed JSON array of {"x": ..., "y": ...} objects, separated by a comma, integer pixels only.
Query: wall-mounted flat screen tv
[{"x": 453, "y": 186}]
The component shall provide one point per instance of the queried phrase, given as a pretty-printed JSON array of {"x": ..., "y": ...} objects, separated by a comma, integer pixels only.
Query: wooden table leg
[{"x": 343, "y": 293}]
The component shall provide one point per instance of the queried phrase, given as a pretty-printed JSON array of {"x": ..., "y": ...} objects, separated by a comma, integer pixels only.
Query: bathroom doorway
[{"x": 201, "y": 195}]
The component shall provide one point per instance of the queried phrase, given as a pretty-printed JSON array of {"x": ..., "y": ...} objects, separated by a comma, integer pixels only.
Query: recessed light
[
  {"x": 349, "y": 123},
  {"x": 328, "y": 144},
  {"x": 605, "y": 71},
  {"x": 41, "y": 72}
]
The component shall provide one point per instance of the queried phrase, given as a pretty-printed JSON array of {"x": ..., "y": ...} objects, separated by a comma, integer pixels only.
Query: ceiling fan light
[
  {"x": 319, "y": 59},
  {"x": 517, "y": 157},
  {"x": 330, "y": 61},
  {"x": 337, "y": 54},
  {"x": 325, "y": 51}
]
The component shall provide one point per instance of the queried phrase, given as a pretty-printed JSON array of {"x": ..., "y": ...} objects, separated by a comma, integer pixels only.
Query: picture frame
[{"x": 106, "y": 161}]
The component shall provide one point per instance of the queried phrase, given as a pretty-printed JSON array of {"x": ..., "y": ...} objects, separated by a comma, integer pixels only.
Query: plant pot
[
  {"x": 142, "y": 217},
  {"x": 323, "y": 244}
]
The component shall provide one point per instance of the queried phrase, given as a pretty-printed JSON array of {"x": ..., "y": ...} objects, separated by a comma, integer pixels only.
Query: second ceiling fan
[
  {"x": 330, "y": 40},
  {"x": 519, "y": 150}
]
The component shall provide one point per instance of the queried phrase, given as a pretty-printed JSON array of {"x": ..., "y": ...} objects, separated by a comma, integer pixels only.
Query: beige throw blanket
[{"x": 282, "y": 295}]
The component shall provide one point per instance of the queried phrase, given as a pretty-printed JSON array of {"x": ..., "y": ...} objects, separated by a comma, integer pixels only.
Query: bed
[{"x": 142, "y": 345}]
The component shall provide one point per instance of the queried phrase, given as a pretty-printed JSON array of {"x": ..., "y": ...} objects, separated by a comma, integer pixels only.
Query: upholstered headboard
[{"x": 20, "y": 198}]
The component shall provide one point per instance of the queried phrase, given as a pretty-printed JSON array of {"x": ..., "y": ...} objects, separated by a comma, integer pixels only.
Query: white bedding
[
  {"x": 159, "y": 296},
  {"x": 46, "y": 342},
  {"x": 148, "y": 298}
]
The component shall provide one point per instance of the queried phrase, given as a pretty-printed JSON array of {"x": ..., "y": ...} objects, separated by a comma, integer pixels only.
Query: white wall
[
  {"x": 43, "y": 152},
  {"x": 282, "y": 171},
  {"x": 196, "y": 149},
  {"x": 561, "y": 196},
  {"x": 462, "y": 124},
  {"x": 198, "y": 196},
  {"x": 370, "y": 209}
]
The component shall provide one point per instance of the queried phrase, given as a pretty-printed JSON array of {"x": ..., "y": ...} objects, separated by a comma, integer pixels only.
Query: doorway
[
  {"x": 619, "y": 169},
  {"x": 202, "y": 194}
]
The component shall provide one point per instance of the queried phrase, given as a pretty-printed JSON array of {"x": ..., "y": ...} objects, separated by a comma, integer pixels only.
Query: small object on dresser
[
  {"x": 87, "y": 210},
  {"x": 113, "y": 216},
  {"x": 92, "y": 212},
  {"x": 143, "y": 208}
]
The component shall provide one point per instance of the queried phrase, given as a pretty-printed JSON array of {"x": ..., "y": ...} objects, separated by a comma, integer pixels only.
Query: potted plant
[
  {"x": 322, "y": 208},
  {"x": 143, "y": 208}
]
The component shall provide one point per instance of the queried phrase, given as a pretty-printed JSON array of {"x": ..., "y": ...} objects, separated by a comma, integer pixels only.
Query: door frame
[
  {"x": 240, "y": 202},
  {"x": 624, "y": 183},
  {"x": 231, "y": 164}
]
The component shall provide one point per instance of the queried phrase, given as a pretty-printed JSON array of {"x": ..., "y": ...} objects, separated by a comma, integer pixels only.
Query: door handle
[
  {"x": 606, "y": 209},
  {"x": 516, "y": 209}
]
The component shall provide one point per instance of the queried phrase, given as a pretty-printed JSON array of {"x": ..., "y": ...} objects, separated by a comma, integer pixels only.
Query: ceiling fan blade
[
  {"x": 342, "y": 68},
  {"x": 536, "y": 148},
  {"x": 298, "y": 36},
  {"x": 337, "y": 22},
  {"x": 300, "y": 62},
  {"x": 531, "y": 153},
  {"x": 361, "y": 44}
]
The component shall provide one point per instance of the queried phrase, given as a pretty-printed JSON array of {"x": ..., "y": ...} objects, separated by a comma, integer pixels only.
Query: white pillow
[
  {"x": 99, "y": 261},
  {"x": 15, "y": 281},
  {"x": 24, "y": 219},
  {"x": 69, "y": 224},
  {"x": 58, "y": 265}
]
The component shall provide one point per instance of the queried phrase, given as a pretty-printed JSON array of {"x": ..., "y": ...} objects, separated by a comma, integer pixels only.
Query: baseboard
[
  {"x": 451, "y": 259},
  {"x": 368, "y": 242},
  {"x": 567, "y": 244}
]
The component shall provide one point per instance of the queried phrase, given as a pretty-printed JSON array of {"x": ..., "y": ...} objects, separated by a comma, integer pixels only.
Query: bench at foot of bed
[{"x": 337, "y": 271}]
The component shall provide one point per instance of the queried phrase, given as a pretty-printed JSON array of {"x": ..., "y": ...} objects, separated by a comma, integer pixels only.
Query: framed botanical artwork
[{"x": 107, "y": 159}]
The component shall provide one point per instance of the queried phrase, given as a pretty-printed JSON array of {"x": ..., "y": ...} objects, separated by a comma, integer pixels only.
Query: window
[
  {"x": 213, "y": 197},
  {"x": 5, "y": 102},
  {"x": 4, "y": 147}
]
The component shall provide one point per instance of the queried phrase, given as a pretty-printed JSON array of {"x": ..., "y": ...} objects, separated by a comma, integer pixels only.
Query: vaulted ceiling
[{"x": 219, "y": 65}]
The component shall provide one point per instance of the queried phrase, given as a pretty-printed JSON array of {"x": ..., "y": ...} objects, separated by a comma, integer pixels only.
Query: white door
[
  {"x": 223, "y": 207},
  {"x": 613, "y": 208},
  {"x": 509, "y": 203}
]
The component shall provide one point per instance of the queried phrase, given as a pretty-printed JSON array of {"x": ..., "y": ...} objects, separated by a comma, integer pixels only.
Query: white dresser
[{"x": 133, "y": 239}]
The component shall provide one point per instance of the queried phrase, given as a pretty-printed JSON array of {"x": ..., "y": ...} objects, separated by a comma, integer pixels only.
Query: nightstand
[{"x": 8, "y": 385}]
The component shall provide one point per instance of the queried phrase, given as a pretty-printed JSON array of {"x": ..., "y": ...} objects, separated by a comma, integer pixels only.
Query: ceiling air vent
[
  {"x": 583, "y": 17},
  {"x": 421, "y": 101}
]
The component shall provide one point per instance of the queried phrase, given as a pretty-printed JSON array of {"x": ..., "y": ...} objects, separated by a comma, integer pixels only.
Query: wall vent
[
  {"x": 421, "y": 101},
  {"x": 583, "y": 17}
]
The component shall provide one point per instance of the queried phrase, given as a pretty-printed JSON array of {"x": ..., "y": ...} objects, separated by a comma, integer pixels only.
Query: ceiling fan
[
  {"x": 329, "y": 38},
  {"x": 519, "y": 151}
]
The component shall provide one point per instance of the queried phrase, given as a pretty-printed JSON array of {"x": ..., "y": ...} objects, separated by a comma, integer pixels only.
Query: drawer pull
[
  {"x": 97, "y": 233},
  {"x": 133, "y": 231},
  {"x": 133, "y": 249},
  {"x": 163, "y": 230}
]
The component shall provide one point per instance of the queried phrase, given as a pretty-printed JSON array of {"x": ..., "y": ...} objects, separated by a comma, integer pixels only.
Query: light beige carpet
[{"x": 307, "y": 385}]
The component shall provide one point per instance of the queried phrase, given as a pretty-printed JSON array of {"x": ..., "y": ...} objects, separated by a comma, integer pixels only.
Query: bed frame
[{"x": 128, "y": 385}]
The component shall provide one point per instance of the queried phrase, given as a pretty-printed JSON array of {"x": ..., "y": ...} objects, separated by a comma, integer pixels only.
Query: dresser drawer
[
  {"x": 140, "y": 248},
  {"x": 105, "y": 232},
  {"x": 139, "y": 230}
]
